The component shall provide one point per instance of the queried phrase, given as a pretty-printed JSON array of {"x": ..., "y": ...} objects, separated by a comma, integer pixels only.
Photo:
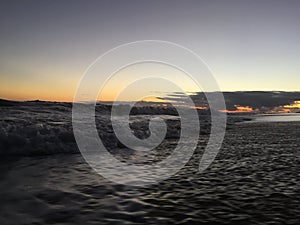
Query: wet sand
[{"x": 254, "y": 180}]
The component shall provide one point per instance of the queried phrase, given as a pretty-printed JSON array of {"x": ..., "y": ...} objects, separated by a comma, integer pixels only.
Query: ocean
[{"x": 254, "y": 179}]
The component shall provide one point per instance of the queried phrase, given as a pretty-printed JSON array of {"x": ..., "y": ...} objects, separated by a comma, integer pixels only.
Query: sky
[{"x": 46, "y": 46}]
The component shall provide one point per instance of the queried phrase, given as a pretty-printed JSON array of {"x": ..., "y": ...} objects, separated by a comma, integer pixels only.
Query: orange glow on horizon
[
  {"x": 239, "y": 109},
  {"x": 152, "y": 99},
  {"x": 201, "y": 107},
  {"x": 295, "y": 105}
]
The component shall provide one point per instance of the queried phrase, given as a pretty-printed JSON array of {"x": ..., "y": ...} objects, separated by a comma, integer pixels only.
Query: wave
[{"x": 41, "y": 128}]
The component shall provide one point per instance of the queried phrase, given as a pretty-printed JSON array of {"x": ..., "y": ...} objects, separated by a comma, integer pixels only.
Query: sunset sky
[{"x": 46, "y": 45}]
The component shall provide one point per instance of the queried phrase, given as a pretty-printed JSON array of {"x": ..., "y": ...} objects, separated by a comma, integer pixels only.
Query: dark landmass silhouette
[{"x": 253, "y": 99}]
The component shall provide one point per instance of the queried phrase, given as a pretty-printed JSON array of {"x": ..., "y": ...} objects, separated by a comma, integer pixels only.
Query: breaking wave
[{"x": 39, "y": 128}]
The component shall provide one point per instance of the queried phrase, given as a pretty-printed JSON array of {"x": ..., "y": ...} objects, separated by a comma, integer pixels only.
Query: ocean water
[
  {"x": 288, "y": 117},
  {"x": 254, "y": 180}
]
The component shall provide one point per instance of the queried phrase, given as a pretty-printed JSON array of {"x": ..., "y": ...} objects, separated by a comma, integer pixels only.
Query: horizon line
[{"x": 110, "y": 101}]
